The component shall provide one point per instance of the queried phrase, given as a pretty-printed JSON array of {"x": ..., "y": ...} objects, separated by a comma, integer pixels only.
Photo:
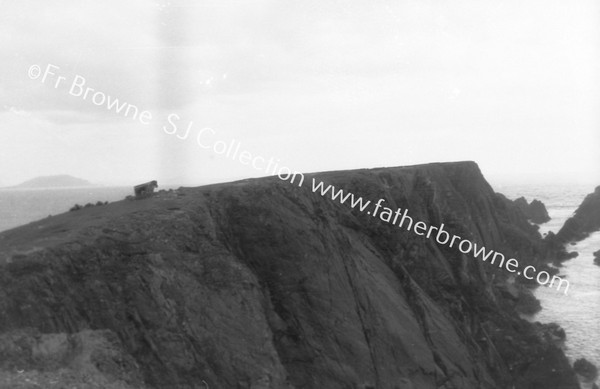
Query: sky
[{"x": 313, "y": 85}]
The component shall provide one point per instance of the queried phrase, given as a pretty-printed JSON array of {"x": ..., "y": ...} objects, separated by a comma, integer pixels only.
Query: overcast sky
[{"x": 315, "y": 84}]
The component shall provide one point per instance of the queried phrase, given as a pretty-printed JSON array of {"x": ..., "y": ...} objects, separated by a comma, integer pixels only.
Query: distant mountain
[{"x": 59, "y": 181}]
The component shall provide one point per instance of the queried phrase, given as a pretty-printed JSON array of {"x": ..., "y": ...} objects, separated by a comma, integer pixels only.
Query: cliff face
[
  {"x": 264, "y": 284},
  {"x": 585, "y": 221}
]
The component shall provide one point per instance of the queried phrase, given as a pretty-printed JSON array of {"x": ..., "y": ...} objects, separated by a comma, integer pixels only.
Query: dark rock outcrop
[
  {"x": 597, "y": 257},
  {"x": 587, "y": 370},
  {"x": 534, "y": 211},
  {"x": 264, "y": 284},
  {"x": 585, "y": 221},
  {"x": 558, "y": 248}
]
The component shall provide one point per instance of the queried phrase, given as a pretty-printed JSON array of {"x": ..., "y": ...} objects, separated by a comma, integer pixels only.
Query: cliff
[
  {"x": 585, "y": 220},
  {"x": 264, "y": 284}
]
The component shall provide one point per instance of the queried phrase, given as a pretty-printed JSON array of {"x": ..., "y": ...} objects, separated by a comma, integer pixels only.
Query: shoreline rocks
[
  {"x": 586, "y": 370},
  {"x": 556, "y": 246}
]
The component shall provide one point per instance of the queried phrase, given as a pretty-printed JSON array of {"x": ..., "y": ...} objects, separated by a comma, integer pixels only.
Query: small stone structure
[{"x": 145, "y": 190}]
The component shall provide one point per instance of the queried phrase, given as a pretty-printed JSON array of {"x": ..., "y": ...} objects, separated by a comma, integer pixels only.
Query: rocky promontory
[
  {"x": 585, "y": 220},
  {"x": 264, "y": 284},
  {"x": 534, "y": 211}
]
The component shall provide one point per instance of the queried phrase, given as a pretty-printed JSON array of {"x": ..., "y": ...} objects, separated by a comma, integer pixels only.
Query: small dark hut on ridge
[{"x": 145, "y": 190}]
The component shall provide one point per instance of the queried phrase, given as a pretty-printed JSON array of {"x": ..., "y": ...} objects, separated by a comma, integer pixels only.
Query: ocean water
[
  {"x": 578, "y": 312},
  {"x": 22, "y": 206}
]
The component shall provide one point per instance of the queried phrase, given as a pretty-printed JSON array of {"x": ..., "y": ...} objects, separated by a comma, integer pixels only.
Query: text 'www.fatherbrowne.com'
[
  {"x": 77, "y": 87},
  {"x": 401, "y": 219}
]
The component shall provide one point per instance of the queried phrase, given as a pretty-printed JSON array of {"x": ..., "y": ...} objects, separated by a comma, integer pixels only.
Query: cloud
[
  {"x": 97, "y": 41},
  {"x": 305, "y": 78}
]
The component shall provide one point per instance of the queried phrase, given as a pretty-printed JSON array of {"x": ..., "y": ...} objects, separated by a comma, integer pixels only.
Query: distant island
[{"x": 58, "y": 181}]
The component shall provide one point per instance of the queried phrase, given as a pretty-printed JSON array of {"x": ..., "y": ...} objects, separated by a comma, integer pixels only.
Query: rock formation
[
  {"x": 264, "y": 284},
  {"x": 586, "y": 370},
  {"x": 534, "y": 211},
  {"x": 585, "y": 220}
]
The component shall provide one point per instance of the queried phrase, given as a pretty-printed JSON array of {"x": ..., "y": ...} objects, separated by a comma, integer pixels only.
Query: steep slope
[
  {"x": 585, "y": 221},
  {"x": 264, "y": 284}
]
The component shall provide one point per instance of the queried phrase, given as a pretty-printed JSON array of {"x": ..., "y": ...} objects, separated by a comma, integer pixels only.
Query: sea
[
  {"x": 22, "y": 206},
  {"x": 578, "y": 312}
]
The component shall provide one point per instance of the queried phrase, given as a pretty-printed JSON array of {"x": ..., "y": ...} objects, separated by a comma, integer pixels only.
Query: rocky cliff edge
[{"x": 264, "y": 284}]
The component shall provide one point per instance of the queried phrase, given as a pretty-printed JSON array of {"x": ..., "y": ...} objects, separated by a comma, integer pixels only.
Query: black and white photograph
[{"x": 286, "y": 194}]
